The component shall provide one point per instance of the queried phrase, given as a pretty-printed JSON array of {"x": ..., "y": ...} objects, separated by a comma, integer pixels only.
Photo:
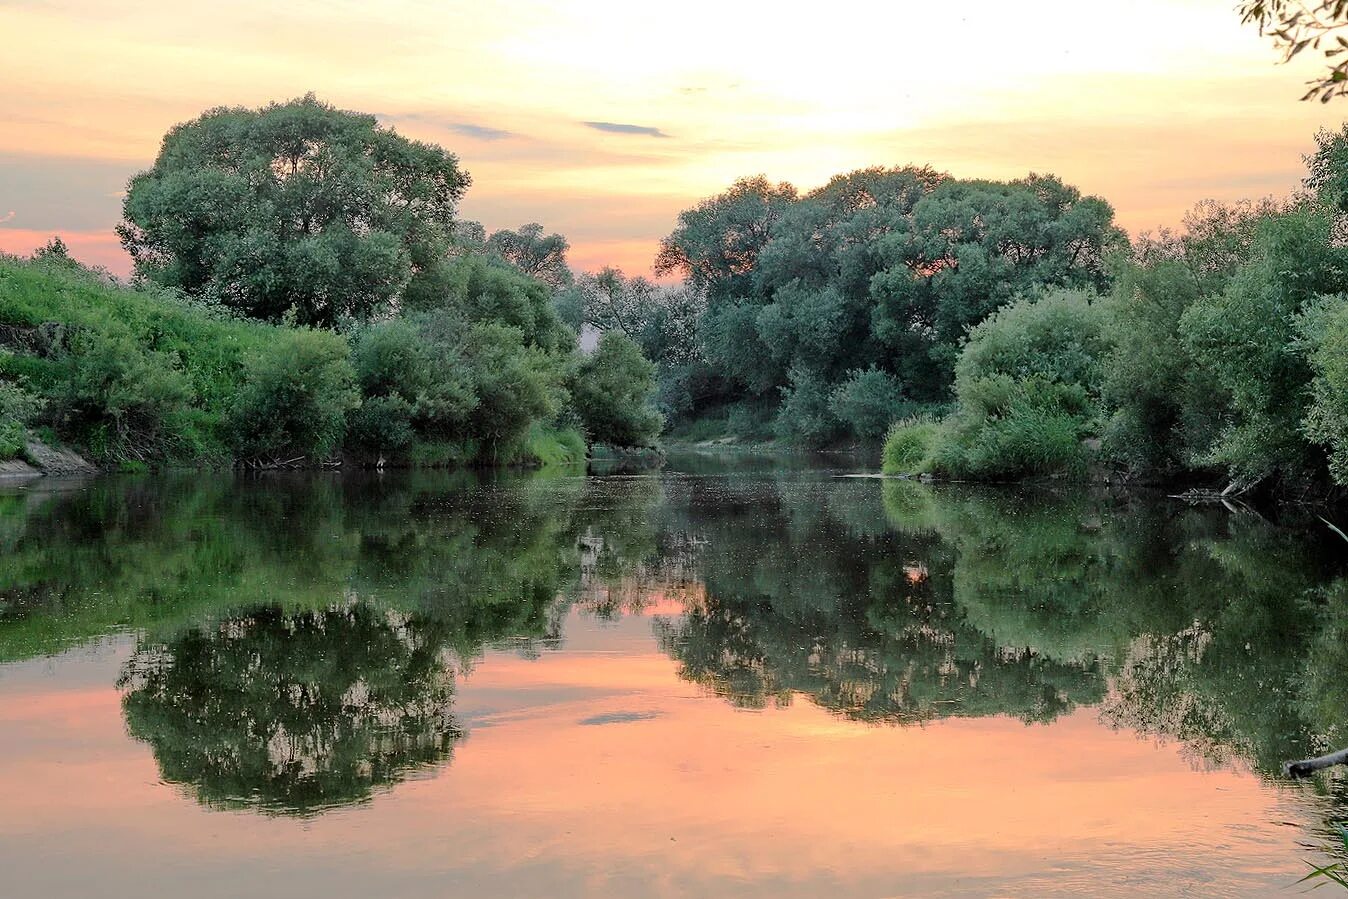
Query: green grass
[
  {"x": 548, "y": 446},
  {"x": 44, "y": 304},
  {"x": 908, "y": 446}
]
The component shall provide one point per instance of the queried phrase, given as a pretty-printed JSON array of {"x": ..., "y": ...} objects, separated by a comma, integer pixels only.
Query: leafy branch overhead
[{"x": 1297, "y": 26}]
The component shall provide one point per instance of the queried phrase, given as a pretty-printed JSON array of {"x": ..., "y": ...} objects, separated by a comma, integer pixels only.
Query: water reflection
[
  {"x": 293, "y": 712},
  {"x": 300, "y": 639}
]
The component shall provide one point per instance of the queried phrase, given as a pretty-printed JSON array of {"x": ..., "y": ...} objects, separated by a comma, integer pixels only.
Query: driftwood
[{"x": 1307, "y": 767}]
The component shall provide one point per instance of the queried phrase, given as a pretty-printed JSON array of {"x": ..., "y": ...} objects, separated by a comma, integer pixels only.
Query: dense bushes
[
  {"x": 17, "y": 409},
  {"x": 1027, "y": 384},
  {"x": 1219, "y": 353},
  {"x": 612, "y": 394},
  {"x": 143, "y": 375},
  {"x": 908, "y": 446},
  {"x": 124, "y": 374},
  {"x": 437, "y": 377},
  {"x": 1326, "y": 338},
  {"x": 295, "y": 398}
]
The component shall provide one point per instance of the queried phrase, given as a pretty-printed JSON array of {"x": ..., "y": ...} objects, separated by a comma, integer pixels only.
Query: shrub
[
  {"x": 17, "y": 409},
  {"x": 554, "y": 446},
  {"x": 1007, "y": 429},
  {"x": 867, "y": 402},
  {"x": 119, "y": 400},
  {"x": 439, "y": 377},
  {"x": 515, "y": 385},
  {"x": 806, "y": 414},
  {"x": 908, "y": 446},
  {"x": 612, "y": 393},
  {"x": 1162, "y": 406},
  {"x": 297, "y": 396},
  {"x": 1028, "y": 383},
  {"x": 381, "y": 424}
]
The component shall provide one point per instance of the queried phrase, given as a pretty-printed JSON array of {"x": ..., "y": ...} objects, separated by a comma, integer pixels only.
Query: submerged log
[{"x": 1307, "y": 767}]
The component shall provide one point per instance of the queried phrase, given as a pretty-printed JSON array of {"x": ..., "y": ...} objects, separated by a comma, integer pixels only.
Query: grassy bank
[{"x": 132, "y": 377}]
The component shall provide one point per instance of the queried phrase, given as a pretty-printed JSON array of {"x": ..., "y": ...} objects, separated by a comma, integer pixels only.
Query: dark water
[{"x": 762, "y": 681}]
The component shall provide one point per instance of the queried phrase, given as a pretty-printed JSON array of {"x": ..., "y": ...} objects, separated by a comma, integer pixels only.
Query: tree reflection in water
[
  {"x": 301, "y": 638},
  {"x": 293, "y": 712}
]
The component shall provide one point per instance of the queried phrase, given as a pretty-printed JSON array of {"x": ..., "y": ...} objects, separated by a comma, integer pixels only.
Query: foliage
[
  {"x": 806, "y": 415},
  {"x": 438, "y": 378},
  {"x": 612, "y": 394},
  {"x": 880, "y": 269},
  {"x": 867, "y": 401},
  {"x": 554, "y": 446},
  {"x": 18, "y": 408},
  {"x": 1161, "y": 404},
  {"x": 1297, "y": 25},
  {"x": 125, "y": 374},
  {"x": 296, "y": 205},
  {"x": 1244, "y": 339},
  {"x": 1027, "y": 383},
  {"x": 1325, "y": 328},
  {"x": 715, "y": 245},
  {"x": 296, "y": 397},
  {"x": 119, "y": 399},
  {"x": 479, "y": 288},
  {"x": 536, "y": 255},
  {"x": 908, "y": 446}
]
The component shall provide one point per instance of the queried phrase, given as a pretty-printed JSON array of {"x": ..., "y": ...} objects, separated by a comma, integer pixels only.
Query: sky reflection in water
[{"x": 760, "y": 682}]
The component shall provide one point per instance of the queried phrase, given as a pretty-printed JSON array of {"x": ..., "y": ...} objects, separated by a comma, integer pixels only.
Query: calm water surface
[{"x": 698, "y": 682}]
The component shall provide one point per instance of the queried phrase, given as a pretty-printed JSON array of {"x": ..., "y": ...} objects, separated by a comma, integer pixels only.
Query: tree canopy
[
  {"x": 297, "y": 205},
  {"x": 846, "y": 306}
]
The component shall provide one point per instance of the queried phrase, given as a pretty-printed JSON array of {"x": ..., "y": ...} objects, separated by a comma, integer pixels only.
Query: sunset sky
[{"x": 603, "y": 119}]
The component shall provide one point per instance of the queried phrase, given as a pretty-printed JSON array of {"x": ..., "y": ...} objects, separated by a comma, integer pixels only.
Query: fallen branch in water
[{"x": 1306, "y": 767}]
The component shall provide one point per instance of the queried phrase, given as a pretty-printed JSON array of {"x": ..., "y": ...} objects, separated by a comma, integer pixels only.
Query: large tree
[
  {"x": 851, "y": 300},
  {"x": 295, "y": 206}
]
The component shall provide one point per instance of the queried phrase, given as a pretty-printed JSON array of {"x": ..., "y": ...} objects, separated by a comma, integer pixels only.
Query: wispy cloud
[
  {"x": 432, "y": 120},
  {"x": 481, "y": 132},
  {"x": 624, "y": 128},
  {"x": 7, "y": 217}
]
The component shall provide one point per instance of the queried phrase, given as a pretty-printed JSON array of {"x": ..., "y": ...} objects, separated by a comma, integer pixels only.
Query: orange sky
[{"x": 603, "y": 119}]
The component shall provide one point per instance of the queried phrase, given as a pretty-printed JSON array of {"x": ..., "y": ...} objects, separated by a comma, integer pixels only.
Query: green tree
[
  {"x": 533, "y": 253},
  {"x": 1325, "y": 331},
  {"x": 612, "y": 393},
  {"x": 880, "y": 268},
  {"x": 296, "y": 205},
  {"x": 868, "y": 401},
  {"x": 1028, "y": 384},
  {"x": 1245, "y": 340},
  {"x": 716, "y": 244}
]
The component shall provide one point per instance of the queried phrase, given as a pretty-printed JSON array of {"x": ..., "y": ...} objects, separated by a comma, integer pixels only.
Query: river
[{"x": 723, "y": 678}]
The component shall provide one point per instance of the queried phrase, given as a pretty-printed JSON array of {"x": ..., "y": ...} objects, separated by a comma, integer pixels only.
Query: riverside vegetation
[{"x": 304, "y": 291}]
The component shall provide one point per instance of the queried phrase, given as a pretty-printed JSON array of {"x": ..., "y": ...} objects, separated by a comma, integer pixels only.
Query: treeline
[
  {"x": 824, "y": 317},
  {"x": 1010, "y": 329},
  {"x": 1220, "y": 354},
  {"x": 304, "y": 291}
]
